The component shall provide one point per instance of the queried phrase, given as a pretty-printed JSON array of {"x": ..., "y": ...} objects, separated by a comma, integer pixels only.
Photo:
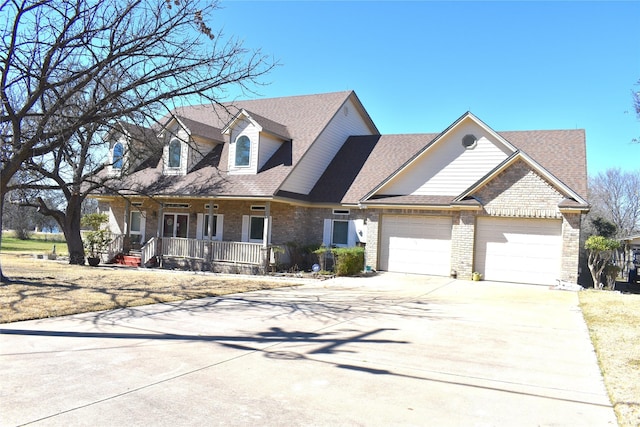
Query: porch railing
[
  {"x": 149, "y": 250},
  {"x": 212, "y": 250},
  {"x": 115, "y": 246}
]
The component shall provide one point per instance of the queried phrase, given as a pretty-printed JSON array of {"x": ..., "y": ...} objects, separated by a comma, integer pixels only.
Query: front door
[{"x": 175, "y": 225}]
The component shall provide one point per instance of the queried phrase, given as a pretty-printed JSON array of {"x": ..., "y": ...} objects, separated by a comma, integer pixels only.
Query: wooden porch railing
[
  {"x": 213, "y": 250},
  {"x": 115, "y": 246},
  {"x": 149, "y": 250}
]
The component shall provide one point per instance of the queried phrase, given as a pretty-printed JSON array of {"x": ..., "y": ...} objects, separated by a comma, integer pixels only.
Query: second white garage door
[
  {"x": 416, "y": 244},
  {"x": 519, "y": 250}
]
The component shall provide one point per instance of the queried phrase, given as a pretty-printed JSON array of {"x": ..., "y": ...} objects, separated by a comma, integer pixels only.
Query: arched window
[
  {"x": 118, "y": 156},
  {"x": 174, "y": 153},
  {"x": 243, "y": 151}
]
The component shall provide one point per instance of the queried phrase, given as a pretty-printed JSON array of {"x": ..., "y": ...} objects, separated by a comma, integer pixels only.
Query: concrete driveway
[{"x": 385, "y": 350}]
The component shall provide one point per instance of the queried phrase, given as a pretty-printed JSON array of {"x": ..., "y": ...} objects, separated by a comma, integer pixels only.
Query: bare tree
[
  {"x": 70, "y": 68},
  {"x": 615, "y": 196}
]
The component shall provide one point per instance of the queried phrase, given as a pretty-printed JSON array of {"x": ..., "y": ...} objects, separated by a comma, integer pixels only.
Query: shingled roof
[
  {"x": 361, "y": 164},
  {"x": 365, "y": 161},
  {"x": 299, "y": 118}
]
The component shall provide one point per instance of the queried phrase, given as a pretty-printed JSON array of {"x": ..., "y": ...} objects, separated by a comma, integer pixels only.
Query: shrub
[
  {"x": 600, "y": 250},
  {"x": 348, "y": 261},
  {"x": 22, "y": 233},
  {"x": 301, "y": 257}
]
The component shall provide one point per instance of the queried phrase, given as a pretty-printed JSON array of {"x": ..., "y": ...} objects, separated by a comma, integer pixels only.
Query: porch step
[{"x": 131, "y": 259}]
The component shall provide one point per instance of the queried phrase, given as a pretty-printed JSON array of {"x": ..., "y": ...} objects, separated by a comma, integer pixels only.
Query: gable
[
  {"x": 521, "y": 191},
  {"x": 447, "y": 166}
]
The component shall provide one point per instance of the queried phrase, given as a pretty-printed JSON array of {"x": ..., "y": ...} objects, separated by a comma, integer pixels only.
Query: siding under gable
[
  {"x": 448, "y": 168},
  {"x": 346, "y": 122},
  {"x": 267, "y": 146}
]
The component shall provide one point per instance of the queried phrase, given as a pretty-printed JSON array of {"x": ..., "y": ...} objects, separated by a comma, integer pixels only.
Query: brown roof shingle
[{"x": 364, "y": 162}]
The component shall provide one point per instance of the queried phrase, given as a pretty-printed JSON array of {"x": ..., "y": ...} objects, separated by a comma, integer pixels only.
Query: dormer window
[
  {"x": 118, "y": 156},
  {"x": 243, "y": 151},
  {"x": 174, "y": 153}
]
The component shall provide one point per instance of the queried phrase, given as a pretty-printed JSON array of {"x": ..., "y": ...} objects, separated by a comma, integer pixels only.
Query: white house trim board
[
  {"x": 242, "y": 115},
  {"x": 519, "y": 155}
]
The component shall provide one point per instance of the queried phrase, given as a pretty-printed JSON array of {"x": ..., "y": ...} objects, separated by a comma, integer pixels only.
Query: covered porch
[
  {"x": 197, "y": 254},
  {"x": 190, "y": 236}
]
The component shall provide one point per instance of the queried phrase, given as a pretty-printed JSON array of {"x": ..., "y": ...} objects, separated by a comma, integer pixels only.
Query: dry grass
[
  {"x": 614, "y": 324},
  {"x": 43, "y": 288}
]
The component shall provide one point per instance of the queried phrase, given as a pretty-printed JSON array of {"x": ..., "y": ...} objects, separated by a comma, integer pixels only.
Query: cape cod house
[{"x": 231, "y": 181}]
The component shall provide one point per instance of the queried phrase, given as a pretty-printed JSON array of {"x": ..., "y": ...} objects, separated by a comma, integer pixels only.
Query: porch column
[
  {"x": 209, "y": 231},
  {"x": 127, "y": 217},
  {"x": 160, "y": 220},
  {"x": 210, "y": 225},
  {"x": 127, "y": 228},
  {"x": 267, "y": 225}
]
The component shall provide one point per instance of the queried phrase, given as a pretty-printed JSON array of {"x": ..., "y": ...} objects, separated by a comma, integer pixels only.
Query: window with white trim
[
  {"x": 175, "y": 225},
  {"x": 136, "y": 227},
  {"x": 343, "y": 232},
  {"x": 202, "y": 226},
  {"x": 253, "y": 228},
  {"x": 243, "y": 151},
  {"x": 340, "y": 233},
  {"x": 175, "y": 152},
  {"x": 118, "y": 156},
  {"x": 256, "y": 228}
]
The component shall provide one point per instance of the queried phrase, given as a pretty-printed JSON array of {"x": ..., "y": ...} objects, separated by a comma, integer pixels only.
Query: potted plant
[
  {"x": 476, "y": 276},
  {"x": 98, "y": 238}
]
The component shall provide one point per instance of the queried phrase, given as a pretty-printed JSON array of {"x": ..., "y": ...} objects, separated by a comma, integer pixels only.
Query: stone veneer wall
[
  {"x": 571, "y": 247},
  {"x": 463, "y": 243}
]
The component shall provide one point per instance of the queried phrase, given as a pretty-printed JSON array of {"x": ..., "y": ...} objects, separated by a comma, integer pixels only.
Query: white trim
[
  {"x": 356, "y": 232},
  {"x": 143, "y": 223},
  {"x": 246, "y": 228},
  {"x": 202, "y": 234}
]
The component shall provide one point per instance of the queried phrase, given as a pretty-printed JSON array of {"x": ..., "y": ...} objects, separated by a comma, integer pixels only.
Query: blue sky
[{"x": 418, "y": 66}]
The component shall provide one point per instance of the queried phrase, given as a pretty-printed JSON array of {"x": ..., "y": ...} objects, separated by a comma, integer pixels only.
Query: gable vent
[{"x": 469, "y": 141}]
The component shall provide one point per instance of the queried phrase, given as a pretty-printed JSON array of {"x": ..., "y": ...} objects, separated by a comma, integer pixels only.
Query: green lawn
[{"x": 39, "y": 242}]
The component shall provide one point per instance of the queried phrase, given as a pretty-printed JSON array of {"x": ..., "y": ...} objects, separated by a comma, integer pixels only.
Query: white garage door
[
  {"x": 519, "y": 250},
  {"x": 416, "y": 244}
]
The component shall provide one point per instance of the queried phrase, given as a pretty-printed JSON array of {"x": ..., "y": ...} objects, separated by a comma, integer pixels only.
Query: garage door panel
[
  {"x": 413, "y": 244},
  {"x": 519, "y": 250}
]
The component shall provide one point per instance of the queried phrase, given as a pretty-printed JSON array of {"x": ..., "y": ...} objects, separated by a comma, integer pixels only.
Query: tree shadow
[{"x": 275, "y": 335}]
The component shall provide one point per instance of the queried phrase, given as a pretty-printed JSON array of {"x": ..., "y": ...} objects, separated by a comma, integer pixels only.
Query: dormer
[
  {"x": 186, "y": 142},
  {"x": 129, "y": 146},
  {"x": 118, "y": 155},
  {"x": 252, "y": 141}
]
